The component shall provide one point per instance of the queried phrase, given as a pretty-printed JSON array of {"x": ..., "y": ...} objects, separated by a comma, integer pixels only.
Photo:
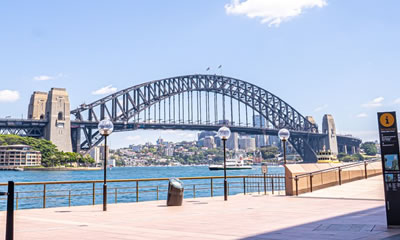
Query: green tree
[
  {"x": 369, "y": 148},
  {"x": 269, "y": 152}
]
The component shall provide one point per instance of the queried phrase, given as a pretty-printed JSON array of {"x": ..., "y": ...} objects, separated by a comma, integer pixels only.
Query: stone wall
[{"x": 325, "y": 179}]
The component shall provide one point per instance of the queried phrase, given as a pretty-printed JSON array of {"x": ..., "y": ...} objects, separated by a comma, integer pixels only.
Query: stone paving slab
[{"x": 318, "y": 215}]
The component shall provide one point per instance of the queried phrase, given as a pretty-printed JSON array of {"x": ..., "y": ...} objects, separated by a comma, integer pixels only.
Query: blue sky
[{"x": 321, "y": 56}]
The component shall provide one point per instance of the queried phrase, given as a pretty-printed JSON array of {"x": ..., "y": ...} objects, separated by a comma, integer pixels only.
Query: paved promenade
[{"x": 351, "y": 211}]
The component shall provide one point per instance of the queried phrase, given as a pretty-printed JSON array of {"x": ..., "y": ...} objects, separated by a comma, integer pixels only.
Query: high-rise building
[
  {"x": 209, "y": 142},
  {"x": 247, "y": 143},
  {"x": 232, "y": 142},
  {"x": 95, "y": 154},
  {"x": 206, "y": 134},
  {"x": 273, "y": 141},
  {"x": 259, "y": 122},
  {"x": 160, "y": 141},
  {"x": 104, "y": 151}
]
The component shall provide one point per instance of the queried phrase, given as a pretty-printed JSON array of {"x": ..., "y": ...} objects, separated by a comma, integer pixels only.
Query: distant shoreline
[{"x": 63, "y": 169}]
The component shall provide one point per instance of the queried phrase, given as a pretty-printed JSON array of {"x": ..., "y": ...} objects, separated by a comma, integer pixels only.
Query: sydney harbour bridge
[{"x": 192, "y": 102}]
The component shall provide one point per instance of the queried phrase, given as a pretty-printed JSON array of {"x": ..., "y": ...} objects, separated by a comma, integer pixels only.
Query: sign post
[
  {"x": 389, "y": 141},
  {"x": 264, "y": 170}
]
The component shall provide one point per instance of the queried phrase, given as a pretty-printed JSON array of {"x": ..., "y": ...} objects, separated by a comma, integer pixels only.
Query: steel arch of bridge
[{"x": 127, "y": 105}]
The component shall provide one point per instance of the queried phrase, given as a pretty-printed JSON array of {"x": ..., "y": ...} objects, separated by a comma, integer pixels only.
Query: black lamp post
[
  {"x": 284, "y": 135},
  {"x": 224, "y": 133},
  {"x": 105, "y": 128}
]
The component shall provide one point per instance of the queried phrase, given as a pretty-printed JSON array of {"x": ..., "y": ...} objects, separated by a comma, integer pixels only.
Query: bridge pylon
[{"x": 54, "y": 107}]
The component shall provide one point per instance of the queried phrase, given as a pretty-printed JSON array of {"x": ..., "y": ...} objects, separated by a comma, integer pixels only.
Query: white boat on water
[{"x": 231, "y": 164}]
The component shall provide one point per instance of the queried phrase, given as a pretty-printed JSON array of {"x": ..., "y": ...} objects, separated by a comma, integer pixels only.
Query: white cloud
[
  {"x": 272, "y": 12},
  {"x": 47, "y": 77},
  {"x": 397, "y": 101},
  {"x": 9, "y": 95},
  {"x": 362, "y": 115},
  {"x": 377, "y": 102},
  {"x": 320, "y": 108},
  {"x": 105, "y": 90}
]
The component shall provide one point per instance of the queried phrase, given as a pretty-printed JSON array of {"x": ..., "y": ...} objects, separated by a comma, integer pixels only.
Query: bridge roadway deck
[{"x": 351, "y": 211}]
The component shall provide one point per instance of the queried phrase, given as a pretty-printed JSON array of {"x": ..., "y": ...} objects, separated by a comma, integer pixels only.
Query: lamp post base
[
  {"x": 225, "y": 190},
  {"x": 105, "y": 197}
]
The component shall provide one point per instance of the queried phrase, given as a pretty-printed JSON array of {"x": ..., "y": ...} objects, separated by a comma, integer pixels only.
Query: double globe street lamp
[
  {"x": 105, "y": 128},
  {"x": 224, "y": 133},
  {"x": 284, "y": 135}
]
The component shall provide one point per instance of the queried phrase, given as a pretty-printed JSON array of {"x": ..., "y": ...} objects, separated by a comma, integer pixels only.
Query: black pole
[
  {"x": 105, "y": 175},
  {"x": 284, "y": 151},
  {"x": 265, "y": 184},
  {"x": 225, "y": 182},
  {"x": 10, "y": 212}
]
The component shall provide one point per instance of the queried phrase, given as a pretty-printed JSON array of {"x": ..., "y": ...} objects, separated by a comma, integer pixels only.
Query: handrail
[
  {"x": 335, "y": 168},
  {"x": 338, "y": 168},
  {"x": 272, "y": 182},
  {"x": 127, "y": 180}
]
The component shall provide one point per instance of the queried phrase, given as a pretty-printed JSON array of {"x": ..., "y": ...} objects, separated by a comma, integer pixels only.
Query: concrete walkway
[{"x": 351, "y": 211}]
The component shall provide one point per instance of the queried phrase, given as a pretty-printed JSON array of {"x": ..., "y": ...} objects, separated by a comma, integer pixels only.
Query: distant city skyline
[{"x": 320, "y": 56}]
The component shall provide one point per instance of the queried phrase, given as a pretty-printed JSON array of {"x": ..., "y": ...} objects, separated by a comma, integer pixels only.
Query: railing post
[
  {"x": 69, "y": 198},
  {"x": 265, "y": 184},
  {"x": 94, "y": 193},
  {"x": 365, "y": 169},
  {"x": 137, "y": 191},
  {"x": 157, "y": 192},
  {"x": 296, "y": 179},
  {"x": 44, "y": 195},
  {"x": 10, "y": 212},
  {"x": 212, "y": 188},
  {"x": 258, "y": 186},
  {"x": 194, "y": 191},
  {"x": 311, "y": 176},
  {"x": 272, "y": 185},
  {"x": 16, "y": 201},
  {"x": 244, "y": 185},
  {"x": 116, "y": 195},
  {"x": 340, "y": 176}
]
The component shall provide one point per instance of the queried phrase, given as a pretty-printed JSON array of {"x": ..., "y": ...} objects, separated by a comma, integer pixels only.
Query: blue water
[{"x": 82, "y": 194}]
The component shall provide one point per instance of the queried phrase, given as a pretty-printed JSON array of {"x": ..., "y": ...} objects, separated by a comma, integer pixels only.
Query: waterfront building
[
  {"x": 247, "y": 143},
  {"x": 19, "y": 155}
]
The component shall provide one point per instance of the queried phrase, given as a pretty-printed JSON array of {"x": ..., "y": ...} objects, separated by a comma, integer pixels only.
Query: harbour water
[{"x": 82, "y": 193}]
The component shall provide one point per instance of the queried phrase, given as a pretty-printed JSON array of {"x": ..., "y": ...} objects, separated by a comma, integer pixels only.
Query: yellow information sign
[{"x": 387, "y": 119}]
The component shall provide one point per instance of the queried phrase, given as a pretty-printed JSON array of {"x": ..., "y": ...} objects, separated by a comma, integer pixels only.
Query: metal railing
[
  {"x": 68, "y": 193},
  {"x": 338, "y": 169}
]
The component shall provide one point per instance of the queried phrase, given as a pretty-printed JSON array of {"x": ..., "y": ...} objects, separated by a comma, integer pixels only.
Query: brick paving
[{"x": 351, "y": 211}]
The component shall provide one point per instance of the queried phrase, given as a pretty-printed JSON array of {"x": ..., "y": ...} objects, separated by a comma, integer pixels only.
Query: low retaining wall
[{"x": 325, "y": 179}]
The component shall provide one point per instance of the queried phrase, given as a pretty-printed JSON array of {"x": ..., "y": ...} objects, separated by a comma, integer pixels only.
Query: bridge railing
[
  {"x": 337, "y": 169},
  {"x": 74, "y": 193}
]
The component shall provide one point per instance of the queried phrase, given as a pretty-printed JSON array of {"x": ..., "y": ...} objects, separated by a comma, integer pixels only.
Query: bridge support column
[
  {"x": 328, "y": 127},
  {"x": 58, "y": 129}
]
